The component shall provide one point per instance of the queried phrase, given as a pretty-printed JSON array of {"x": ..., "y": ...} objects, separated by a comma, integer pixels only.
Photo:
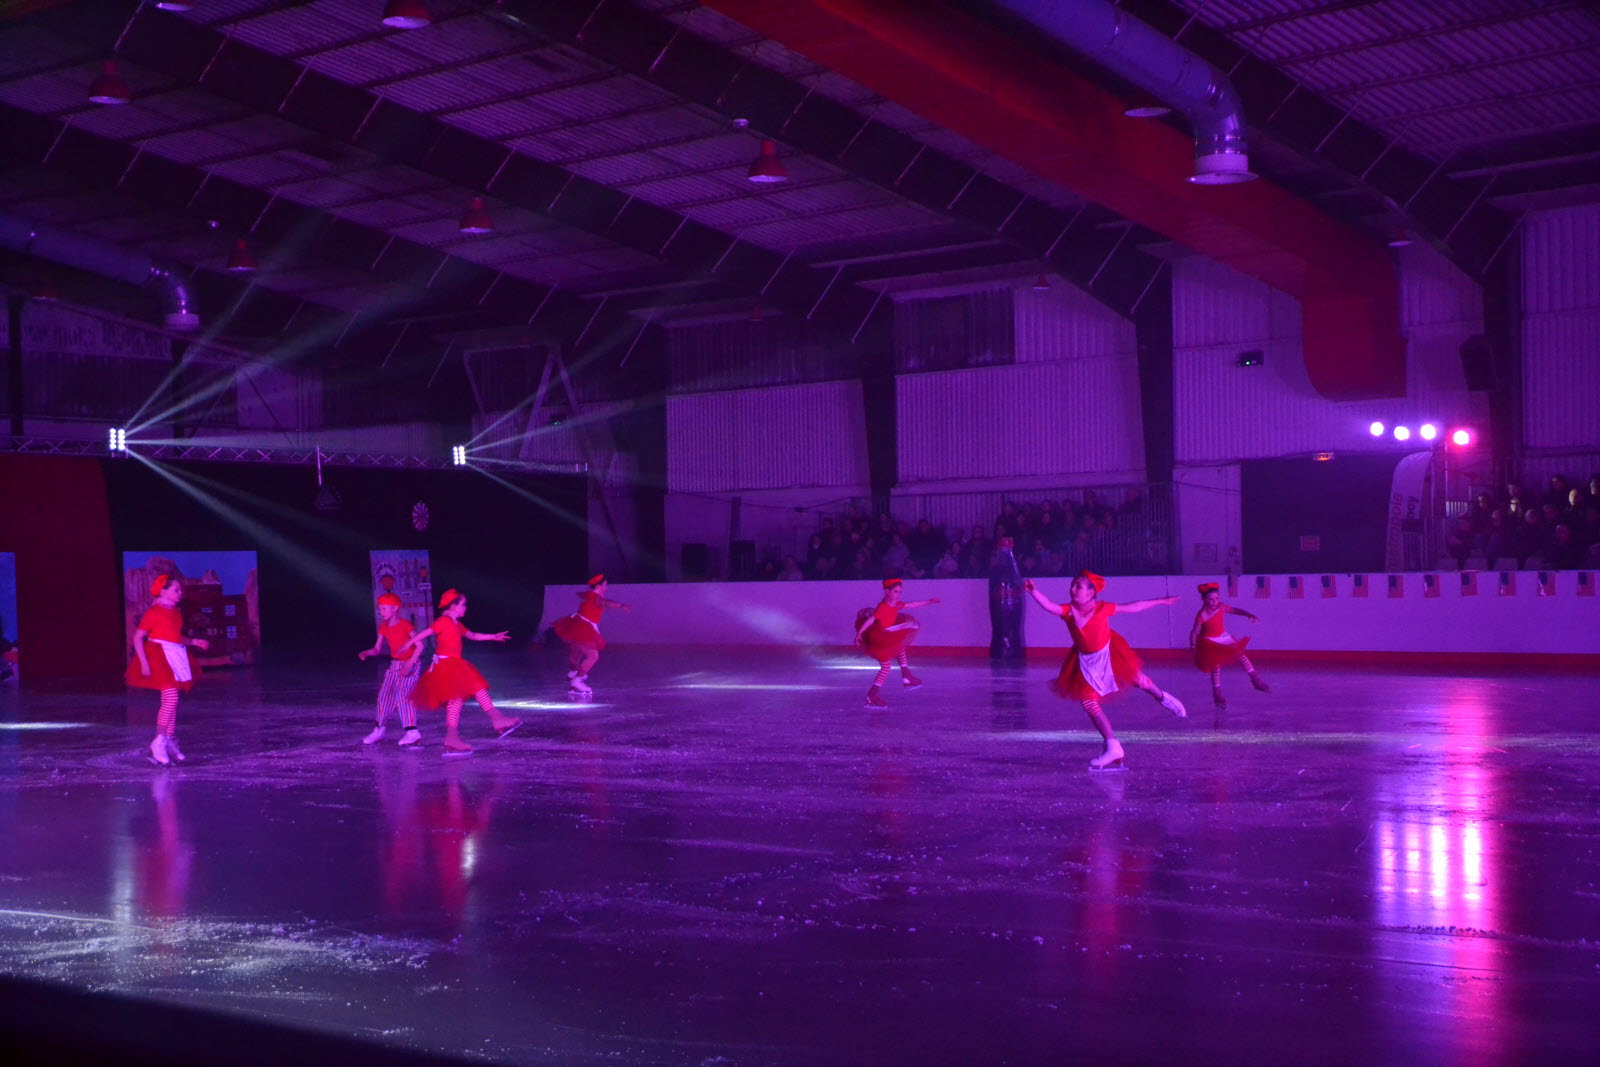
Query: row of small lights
[{"x": 1460, "y": 437}]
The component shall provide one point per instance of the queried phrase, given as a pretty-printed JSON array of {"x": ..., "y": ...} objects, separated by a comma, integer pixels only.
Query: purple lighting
[
  {"x": 1429, "y": 431},
  {"x": 1402, "y": 433},
  {"x": 1461, "y": 438},
  {"x": 1376, "y": 429}
]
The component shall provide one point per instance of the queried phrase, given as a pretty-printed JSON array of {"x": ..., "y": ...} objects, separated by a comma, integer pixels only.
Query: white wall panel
[
  {"x": 1013, "y": 421},
  {"x": 1063, "y": 322},
  {"x": 1434, "y": 291},
  {"x": 767, "y": 438},
  {"x": 1209, "y": 518},
  {"x": 779, "y": 521},
  {"x": 1216, "y": 305},
  {"x": 1227, "y": 413},
  {"x": 1561, "y": 379},
  {"x": 1561, "y": 260}
]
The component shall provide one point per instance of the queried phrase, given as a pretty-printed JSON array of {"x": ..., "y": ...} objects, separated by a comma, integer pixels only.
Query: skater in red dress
[
  {"x": 581, "y": 632},
  {"x": 1215, "y": 648},
  {"x": 1100, "y": 663},
  {"x": 394, "y": 695},
  {"x": 884, "y": 633},
  {"x": 166, "y": 668},
  {"x": 452, "y": 679}
]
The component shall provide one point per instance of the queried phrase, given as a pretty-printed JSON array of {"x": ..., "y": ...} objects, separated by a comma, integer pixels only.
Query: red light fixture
[
  {"x": 108, "y": 86},
  {"x": 768, "y": 167},
  {"x": 1399, "y": 237},
  {"x": 1146, "y": 106},
  {"x": 241, "y": 260},
  {"x": 1041, "y": 284},
  {"x": 406, "y": 15},
  {"x": 476, "y": 218}
]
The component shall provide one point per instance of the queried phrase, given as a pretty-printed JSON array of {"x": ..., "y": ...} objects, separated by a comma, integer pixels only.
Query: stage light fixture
[
  {"x": 768, "y": 167},
  {"x": 1041, "y": 284},
  {"x": 1461, "y": 438},
  {"x": 1428, "y": 431},
  {"x": 1402, "y": 433},
  {"x": 108, "y": 86},
  {"x": 117, "y": 439},
  {"x": 406, "y": 15},
  {"x": 1377, "y": 428},
  {"x": 476, "y": 218},
  {"x": 175, "y": 5},
  {"x": 458, "y": 455},
  {"x": 241, "y": 260}
]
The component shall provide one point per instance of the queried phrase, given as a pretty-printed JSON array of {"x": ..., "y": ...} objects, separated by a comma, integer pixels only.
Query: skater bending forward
[
  {"x": 1100, "y": 663},
  {"x": 581, "y": 632},
  {"x": 884, "y": 633}
]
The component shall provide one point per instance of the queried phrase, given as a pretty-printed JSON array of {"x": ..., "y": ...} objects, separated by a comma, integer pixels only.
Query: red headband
[
  {"x": 1209, "y": 587},
  {"x": 159, "y": 584},
  {"x": 1093, "y": 579},
  {"x": 596, "y": 580},
  {"x": 449, "y": 595},
  {"x": 890, "y": 583},
  {"x": 389, "y": 598}
]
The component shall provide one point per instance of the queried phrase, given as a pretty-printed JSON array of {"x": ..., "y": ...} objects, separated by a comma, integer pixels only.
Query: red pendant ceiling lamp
[
  {"x": 767, "y": 167},
  {"x": 108, "y": 86},
  {"x": 476, "y": 218},
  {"x": 406, "y": 15}
]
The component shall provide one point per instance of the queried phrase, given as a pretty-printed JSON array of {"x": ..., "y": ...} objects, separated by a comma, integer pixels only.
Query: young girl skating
[
  {"x": 581, "y": 632},
  {"x": 451, "y": 679},
  {"x": 167, "y": 668},
  {"x": 884, "y": 633},
  {"x": 395, "y": 692},
  {"x": 1215, "y": 648},
  {"x": 1100, "y": 663}
]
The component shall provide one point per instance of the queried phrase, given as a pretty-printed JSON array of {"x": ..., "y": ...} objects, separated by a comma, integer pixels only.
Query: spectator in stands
[
  {"x": 1557, "y": 493},
  {"x": 1500, "y": 539},
  {"x": 790, "y": 571},
  {"x": 1461, "y": 541},
  {"x": 1565, "y": 552},
  {"x": 1479, "y": 514},
  {"x": 947, "y": 566},
  {"x": 1531, "y": 541},
  {"x": 896, "y": 557}
]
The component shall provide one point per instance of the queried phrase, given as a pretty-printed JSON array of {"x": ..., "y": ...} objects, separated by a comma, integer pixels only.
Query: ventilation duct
[
  {"x": 985, "y": 85},
  {"x": 1151, "y": 61},
  {"x": 103, "y": 258}
]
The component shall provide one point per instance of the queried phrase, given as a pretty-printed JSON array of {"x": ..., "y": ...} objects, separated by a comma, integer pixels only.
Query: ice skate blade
[
  {"x": 508, "y": 730},
  {"x": 451, "y": 753},
  {"x": 1114, "y": 765},
  {"x": 912, "y": 685},
  {"x": 157, "y": 763}
]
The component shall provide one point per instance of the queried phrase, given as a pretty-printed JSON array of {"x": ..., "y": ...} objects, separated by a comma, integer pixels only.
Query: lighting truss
[{"x": 203, "y": 453}]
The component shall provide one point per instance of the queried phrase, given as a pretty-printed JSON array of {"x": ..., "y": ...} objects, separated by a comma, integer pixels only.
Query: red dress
[
  {"x": 161, "y": 623},
  {"x": 1092, "y": 637},
  {"x": 880, "y": 643},
  {"x": 450, "y": 677},
  {"x": 583, "y": 626},
  {"x": 1215, "y": 647}
]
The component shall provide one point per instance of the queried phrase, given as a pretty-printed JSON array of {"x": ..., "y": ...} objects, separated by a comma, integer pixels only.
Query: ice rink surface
[{"x": 726, "y": 859}]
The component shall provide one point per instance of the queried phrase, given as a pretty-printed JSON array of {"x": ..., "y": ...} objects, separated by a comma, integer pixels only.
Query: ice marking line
[{"x": 71, "y": 918}]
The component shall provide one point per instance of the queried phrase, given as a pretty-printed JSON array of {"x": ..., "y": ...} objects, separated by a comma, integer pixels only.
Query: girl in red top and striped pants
[{"x": 394, "y": 695}]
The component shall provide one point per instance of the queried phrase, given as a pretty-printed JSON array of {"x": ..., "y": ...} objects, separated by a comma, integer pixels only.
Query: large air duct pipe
[
  {"x": 103, "y": 258},
  {"x": 1151, "y": 61}
]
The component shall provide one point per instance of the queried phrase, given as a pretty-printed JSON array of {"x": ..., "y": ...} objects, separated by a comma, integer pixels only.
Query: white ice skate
[
  {"x": 172, "y": 748},
  {"x": 1110, "y": 759},
  {"x": 158, "y": 752},
  {"x": 375, "y": 736},
  {"x": 576, "y": 683},
  {"x": 1174, "y": 705},
  {"x": 411, "y": 738}
]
